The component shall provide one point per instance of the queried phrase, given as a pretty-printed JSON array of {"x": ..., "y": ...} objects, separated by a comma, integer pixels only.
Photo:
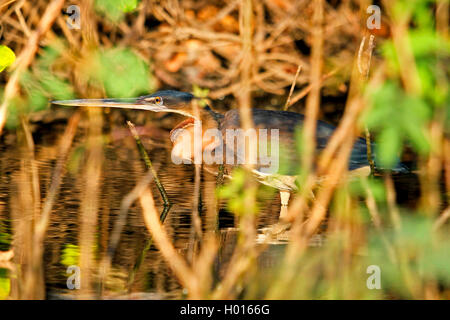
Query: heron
[{"x": 285, "y": 124}]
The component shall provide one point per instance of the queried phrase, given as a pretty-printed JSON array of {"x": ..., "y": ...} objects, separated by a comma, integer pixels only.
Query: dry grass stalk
[
  {"x": 33, "y": 167},
  {"x": 197, "y": 222},
  {"x": 348, "y": 122},
  {"x": 391, "y": 200},
  {"x": 430, "y": 177},
  {"x": 247, "y": 220},
  {"x": 176, "y": 262},
  {"x": 22, "y": 225},
  {"x": 90, "y": 202},
  {"x": 364, "y": 69},
  {"x": 116, "y": 232},
  {"x": 443, "y": 17},
  {"x": 375, "y": 215},
  {"x": 33, "y": 278},
  {"x": 64, "y": 147},
  {"x": 313, "y": 100},
  {"x": 6, "y": 3},
  {"x": 446, "y": 156},
  {"x": 197, "y": 283}
]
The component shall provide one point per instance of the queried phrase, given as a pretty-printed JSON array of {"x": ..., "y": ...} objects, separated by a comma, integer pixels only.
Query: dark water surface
[{"x": 122, "y": 168}]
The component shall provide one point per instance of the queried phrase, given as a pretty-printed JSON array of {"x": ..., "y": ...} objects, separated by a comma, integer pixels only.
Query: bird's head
[{"x": 160, "y": 101}]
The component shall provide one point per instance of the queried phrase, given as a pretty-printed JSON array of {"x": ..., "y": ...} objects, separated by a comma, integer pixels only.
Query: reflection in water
[{"x": 122, "y": 168}]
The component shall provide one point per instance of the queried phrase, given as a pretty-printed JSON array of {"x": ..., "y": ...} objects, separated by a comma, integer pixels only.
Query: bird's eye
[{"x": 154, "y": 100}]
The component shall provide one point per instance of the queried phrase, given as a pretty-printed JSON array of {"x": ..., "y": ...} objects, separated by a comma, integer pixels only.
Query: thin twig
[
  {"x": 7, "y": 3},
  {"x": 148, "y": 163},
  {"x": 308, "y": 88},
  {"x": 286, "y": 106},
  {"x": 442, "y": 219}
]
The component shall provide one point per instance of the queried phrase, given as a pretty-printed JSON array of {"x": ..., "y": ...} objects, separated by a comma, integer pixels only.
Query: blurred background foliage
[
  {"x": 115, "y": 10},
  {"x": 399, "y": 116}
]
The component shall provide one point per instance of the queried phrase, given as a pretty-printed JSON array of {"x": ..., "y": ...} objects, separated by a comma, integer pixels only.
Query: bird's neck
[{"x": 208, "y": 117}]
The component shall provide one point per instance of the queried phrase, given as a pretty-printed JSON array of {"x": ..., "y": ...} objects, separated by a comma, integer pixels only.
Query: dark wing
[{"x": 287, "y": 124}]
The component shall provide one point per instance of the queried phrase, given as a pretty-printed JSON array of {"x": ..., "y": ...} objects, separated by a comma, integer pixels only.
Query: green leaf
[
  {"x": 416, "y": 135},
  {"x": 384, "y": 106},
  {"x": 128, "y": 5},
  {"x": 389, "y": 143},
  {"x": 37, "y": 100},
  {"x": 49, "y": 54},
  {"x": 435, "y": 263},
  {"x": 238, "y": 194},
  {"x": 376, "y": 186},
  {"x": 57, "y": 88},
  {"x": 201, "y": 93},
  {"x": 424, "y": 42},
  {"x": 389, "y": 52},
  {"x": 7, "y": 57},
  {"x": 12, "y": 119},
  {"x": 422, "y": 252},
  {"x": 114, "y": 9}
]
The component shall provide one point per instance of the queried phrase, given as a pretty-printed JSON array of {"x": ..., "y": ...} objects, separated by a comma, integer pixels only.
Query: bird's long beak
[{"x": 123, "y": 103}]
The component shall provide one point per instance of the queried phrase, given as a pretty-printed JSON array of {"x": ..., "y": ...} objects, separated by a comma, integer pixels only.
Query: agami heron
[{"x": 284, "y": 122}]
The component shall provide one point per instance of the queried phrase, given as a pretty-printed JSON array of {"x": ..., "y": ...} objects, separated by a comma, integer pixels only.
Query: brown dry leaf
[
  {"x": 282, "y": 4},
  {"x": 208, "y": 63},
  {"x": 342, "y": 87},
  {"x": 229, "y": 24},
  {"x": 195, "y": 50},
  {"x": 207, "y": 13},
  {"x": 384, "y": 31},
  {"x": 176, "y": 62},
  {"x": 190, "y": 15}
]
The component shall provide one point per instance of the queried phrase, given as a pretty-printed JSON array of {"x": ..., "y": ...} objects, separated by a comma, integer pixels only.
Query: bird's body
[
  {"x": 285, "y": 123},
  {"x": 288, "y": 123}
]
